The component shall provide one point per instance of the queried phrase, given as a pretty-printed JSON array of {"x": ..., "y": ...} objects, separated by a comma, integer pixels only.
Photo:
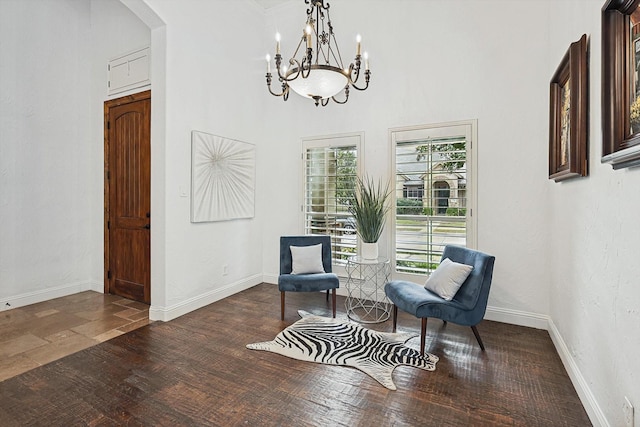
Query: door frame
[{"x": 107, "y": 212}]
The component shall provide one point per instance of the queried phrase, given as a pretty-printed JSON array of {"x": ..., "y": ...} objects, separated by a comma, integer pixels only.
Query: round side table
[{"x": 366, "y": 301}]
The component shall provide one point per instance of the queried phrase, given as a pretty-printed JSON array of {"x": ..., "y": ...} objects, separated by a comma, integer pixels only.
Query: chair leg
[
  {"x": 333, "y": 301},
  {"x": 475, "y": 332},
  {"x": 423, "y": 333},
  {"x": 282, "y": 305},
  {"x": 395, "y": 317},
  {"x": 327, "y": 295}
]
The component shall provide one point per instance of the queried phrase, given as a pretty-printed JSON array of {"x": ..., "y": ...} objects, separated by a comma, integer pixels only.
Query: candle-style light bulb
[
  {"x": 366, "y": 61},
  {"x": 358, "y": 40},
  {"x": 307, "y": 30},
  {"x": 307, "y": 33},
  {"x": 268, "y": 58},
  {"x": 277, "y": 43}
]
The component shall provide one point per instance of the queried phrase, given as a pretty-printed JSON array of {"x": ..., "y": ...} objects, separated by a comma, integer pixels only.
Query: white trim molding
[
  {"x": 517, "y": 317},
  {"x": 577, "y": 379},
  {"x": 270, "y": 278},
  {"x": 50, "y": 293},
  {"x": 166, "y": 314},
  {"x": 618, "y": 158}
]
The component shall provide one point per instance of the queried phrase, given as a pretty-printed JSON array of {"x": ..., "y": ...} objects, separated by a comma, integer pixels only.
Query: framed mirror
[{"x": 621, "y": 83}]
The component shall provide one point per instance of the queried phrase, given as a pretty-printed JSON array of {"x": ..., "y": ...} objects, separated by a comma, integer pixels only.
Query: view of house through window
[
  {"x": 433, "y": 194},
  {"x": 330, "y": 174}
]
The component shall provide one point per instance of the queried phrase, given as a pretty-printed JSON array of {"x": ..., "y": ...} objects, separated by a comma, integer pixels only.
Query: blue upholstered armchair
[
  {"x": 467, "y": 307},
  {"x": 306, "y": 282}
]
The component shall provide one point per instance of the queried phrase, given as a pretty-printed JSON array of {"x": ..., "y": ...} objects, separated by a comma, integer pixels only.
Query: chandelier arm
[
  {"x": 295, "y": 76},
  {"x": 285, "y": 88},
  {"x": 355, "y": 68},
  {"x": 367, "y": 77},
  {"x": 306, "y": 60},
  {"x": 346, "y": 98}
]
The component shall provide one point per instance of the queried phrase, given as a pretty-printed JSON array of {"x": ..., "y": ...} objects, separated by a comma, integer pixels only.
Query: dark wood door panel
[
  {"x": 129, "y": 266},
  {"x": 130, "y": 166},
  {"x": 128, "y": 196}
]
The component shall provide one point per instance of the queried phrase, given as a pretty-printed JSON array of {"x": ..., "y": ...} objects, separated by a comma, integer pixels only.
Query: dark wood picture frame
[
  {"x": 620, "y": 144},
  {"x": 568, "y": 114}
]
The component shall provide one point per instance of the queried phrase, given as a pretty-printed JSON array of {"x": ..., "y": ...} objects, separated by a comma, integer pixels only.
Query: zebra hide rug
[{"x": 334, "y": 342}]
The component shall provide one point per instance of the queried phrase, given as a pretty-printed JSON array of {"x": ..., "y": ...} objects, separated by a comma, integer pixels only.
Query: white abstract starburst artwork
[{"x": 222, "y": 178}]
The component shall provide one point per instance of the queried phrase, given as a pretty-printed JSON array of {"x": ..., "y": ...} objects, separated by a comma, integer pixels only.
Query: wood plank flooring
[{"x": 195, "y": 370}]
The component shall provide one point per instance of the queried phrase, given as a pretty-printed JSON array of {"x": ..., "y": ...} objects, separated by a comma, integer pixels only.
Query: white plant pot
[{"x": 369, "y": 250}]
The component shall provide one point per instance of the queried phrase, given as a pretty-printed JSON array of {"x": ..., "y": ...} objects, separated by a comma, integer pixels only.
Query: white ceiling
[{"x": 270, "y": 3}]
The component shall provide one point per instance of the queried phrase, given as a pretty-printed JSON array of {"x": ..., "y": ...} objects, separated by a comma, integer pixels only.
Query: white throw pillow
[
  {"x": 447, "y": 278},
  {"x": 306, "y": 259}
]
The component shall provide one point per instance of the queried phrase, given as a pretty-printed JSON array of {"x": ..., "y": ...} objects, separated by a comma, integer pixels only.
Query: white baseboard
[
  {"x": 270, "y": 278},
  {"x": 517, "y": 317},
  {"x": 49, "y": 293},
  {"x": 172, "y": 312},
  {"x": 582, "y": 387}
]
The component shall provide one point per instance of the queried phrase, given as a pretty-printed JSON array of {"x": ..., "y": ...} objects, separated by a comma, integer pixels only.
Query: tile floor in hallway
[{"x": 37, "y": 334}]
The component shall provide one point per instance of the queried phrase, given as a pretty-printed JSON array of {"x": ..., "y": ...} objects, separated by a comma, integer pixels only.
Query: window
[
  {"x": 330, "y": 167},
  {"x": 413, "y": 190},
  {"x": 434, "y": 194}
]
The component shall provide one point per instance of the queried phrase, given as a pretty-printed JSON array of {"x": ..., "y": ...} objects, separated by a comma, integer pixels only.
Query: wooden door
[{"x": 128, "y": 196}]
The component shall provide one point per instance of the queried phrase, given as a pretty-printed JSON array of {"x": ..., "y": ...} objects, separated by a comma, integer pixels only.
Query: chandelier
[{"x": 320, "y": 74}]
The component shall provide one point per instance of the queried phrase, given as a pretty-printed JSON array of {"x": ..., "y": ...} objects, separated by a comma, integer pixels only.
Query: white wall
[
  {"x": 46, "y": 209},
  {"x": 213, "y": 82},
  {"x": 594, "y": 269}
]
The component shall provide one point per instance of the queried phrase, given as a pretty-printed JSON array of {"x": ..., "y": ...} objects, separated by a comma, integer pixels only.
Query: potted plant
[{"x": 369, "y": 209}]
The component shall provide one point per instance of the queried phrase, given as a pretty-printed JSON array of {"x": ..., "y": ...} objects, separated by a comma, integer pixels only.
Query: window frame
[
  {"x": 419, "y": 132},
  {"x": 332, "y": 140}
]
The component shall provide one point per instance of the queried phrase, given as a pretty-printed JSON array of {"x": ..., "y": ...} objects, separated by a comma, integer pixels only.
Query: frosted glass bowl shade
[{"x": 324, "y": 81}]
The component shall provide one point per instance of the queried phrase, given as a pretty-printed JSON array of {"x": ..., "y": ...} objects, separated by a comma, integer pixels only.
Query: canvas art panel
[{"x": 222, "y": 178}]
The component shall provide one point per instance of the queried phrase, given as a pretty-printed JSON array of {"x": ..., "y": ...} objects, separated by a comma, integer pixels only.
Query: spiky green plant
[{"x": 369, "y": 209}]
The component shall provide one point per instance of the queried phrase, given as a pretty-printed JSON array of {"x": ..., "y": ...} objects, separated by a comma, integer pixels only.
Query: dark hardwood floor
[{"x": 195, "y": 370}]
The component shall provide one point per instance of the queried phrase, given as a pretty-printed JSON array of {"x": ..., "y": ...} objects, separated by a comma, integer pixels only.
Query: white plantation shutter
[
  {"x": 434, "y": 195},
  {"x": 330, "y": 167}
]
